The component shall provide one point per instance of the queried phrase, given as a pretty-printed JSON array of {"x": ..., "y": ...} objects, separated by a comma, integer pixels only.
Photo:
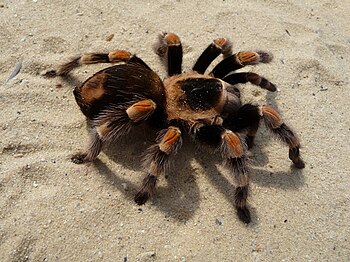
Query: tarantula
[{"x": 205, "y": 106}]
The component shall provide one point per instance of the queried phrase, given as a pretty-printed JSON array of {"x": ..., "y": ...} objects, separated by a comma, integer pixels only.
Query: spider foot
[
  {"x": 299, "y": 164},
  {"x": 141, "y": 197},
  {"x": 79, "y": 158},
  {"x": 244, "y": 214},
  {"x": 147, "y": 190},
  {"x": 294, "y": 155},
  {"x": 265, "y": 56}
]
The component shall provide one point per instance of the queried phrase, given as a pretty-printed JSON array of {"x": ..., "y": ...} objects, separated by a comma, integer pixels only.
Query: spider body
[{"x": 206, "y": 106}]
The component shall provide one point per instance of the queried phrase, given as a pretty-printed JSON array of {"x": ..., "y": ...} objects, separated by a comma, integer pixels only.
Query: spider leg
[
  {"x": 157, "y": 161},
  {"x": 245, "y": 119},
  {"x": 219, "y": 46},
  {"x": 95, "y": 58},
  {"x": 169, "y": 46},
  {"x": 253, "y": 78},
  {"x": 239, "y": 60},
  {"x": 233, "y": 151},
  {"x": 93, "y": 149},
  {"x": 274, "y": 122},
  {"x": 113, "y": 123}
]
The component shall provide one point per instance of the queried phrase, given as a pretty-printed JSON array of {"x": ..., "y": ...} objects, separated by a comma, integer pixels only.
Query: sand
[{"x": 54, "y": 210}]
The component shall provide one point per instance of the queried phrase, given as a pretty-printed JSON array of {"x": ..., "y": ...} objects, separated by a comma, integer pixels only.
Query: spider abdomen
[{"x": 119, "y": 86}]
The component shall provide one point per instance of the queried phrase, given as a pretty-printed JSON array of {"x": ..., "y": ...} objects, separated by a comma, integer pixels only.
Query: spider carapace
[{"x": 205, "y": 106}]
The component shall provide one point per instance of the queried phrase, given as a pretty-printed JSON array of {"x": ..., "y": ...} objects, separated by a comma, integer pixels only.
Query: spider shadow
[
  {"x": 71, "y": 80},
  {"x": 291, "y": 179},
  {"x": 177, "y": 195},
  {"x": 224, "y": 185}
]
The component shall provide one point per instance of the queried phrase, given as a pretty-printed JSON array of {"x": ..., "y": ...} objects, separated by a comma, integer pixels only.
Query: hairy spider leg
[
  {"x": 274, "y": 123},
  {"x": 233, "y": 151},
  {"x": 112, "y": 123},
  {"x": 247, "y": 120},
  {"x": 244, "y": 120},
  {"x": 157, "y": 161},
  {"x": 217, "y": 47},
  {"x": 169, "y": 47},
  {"x": 239, "y": 60},
  {"x": 253, "y": 78},
  {"x": 96, "y": 58}
]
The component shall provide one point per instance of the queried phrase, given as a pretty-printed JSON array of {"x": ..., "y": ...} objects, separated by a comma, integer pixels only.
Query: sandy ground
[{"x": 52, "y": 209}]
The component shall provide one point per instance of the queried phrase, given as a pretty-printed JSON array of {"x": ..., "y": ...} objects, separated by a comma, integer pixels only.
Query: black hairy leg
[
  {"x": 113, "y": 123},
  {"x": 239, "y": 60},
  {"x": 157, "y": 161},
  {"x": 96, "y": 58},
  {"x": 92, "y": 58},
  {"x": 219, "y": 46},
  {"x": 244, "y": 120},
  {"x": 93, "y": 149},
  {"x": 253, "y": 78},
  {"x": 233, "y": 151},
  {"x": 275, "y": 124},
  {"x": 247, "y": 119},
  {"x": 169, "y": 47}
]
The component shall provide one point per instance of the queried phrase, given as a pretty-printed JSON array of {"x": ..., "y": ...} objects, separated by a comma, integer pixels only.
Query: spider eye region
[{"x": 201, "y": 93}]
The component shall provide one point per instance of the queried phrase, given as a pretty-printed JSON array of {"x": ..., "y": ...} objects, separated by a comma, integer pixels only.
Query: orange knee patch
[
  {"x": 119, "y": 56},
  {"x": 220, "y": 42},
  {"x": 141, "y": 110},
  {"x": 169, "y": 140},
  {"x": 272, "y": 116},
  {"x": 234, "y": 144},
  {"x": 172, "y": 39},
  {"x": 247, "y": 57},
  {"x": 225, "y": 45}
]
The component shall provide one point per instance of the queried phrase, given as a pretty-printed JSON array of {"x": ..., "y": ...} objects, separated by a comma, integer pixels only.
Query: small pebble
[
  {"x": 146, "y": 255},
  {"x": 125, "y": 186},
  {"x": 109, "y": 37},
  {"x": 218, "y": 222},
  {"x": 15, "y": 71}
]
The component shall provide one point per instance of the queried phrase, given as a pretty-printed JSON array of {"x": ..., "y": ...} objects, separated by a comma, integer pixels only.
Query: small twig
[{"x": 15, "y": 70}]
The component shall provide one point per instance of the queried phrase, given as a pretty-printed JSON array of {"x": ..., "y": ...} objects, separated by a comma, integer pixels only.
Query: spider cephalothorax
[{"x": 206, "y": 106}]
